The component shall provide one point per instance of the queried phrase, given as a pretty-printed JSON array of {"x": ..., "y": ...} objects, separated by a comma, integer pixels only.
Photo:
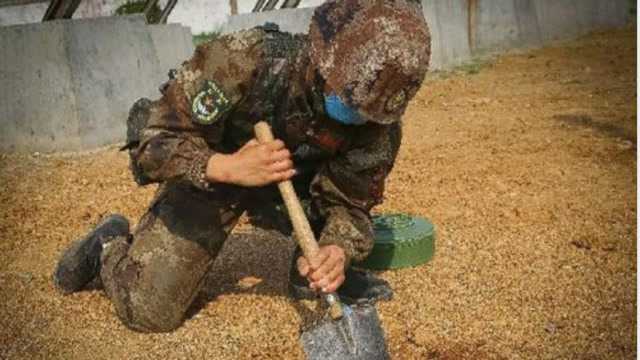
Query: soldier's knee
[
  {"x": 149, "y": 320},
  {"x": 141, "y": 309},
  {"x": 155, "y": 327}
]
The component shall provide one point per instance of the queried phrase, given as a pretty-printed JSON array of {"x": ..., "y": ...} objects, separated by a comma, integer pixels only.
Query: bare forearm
[{"x": 218, "y": 168}]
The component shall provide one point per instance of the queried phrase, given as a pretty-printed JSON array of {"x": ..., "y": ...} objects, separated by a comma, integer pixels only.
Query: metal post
[
  {"x": 473, "y": 22},
  {"x": 61, "y": 9},
  {"x": 149, "y": 5},
  {"x": 258, "y": 6},
  {"x": 271, "y": 4},
  {"x": 167, "y": 10},
  {"x": 233, "y": 4},
  {"x": 290, "y": 4},
  {"x": 19, "y": 2}
]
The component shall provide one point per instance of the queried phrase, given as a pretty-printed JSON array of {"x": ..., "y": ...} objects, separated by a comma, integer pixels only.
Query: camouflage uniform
[{"x": 210, "y": 105}]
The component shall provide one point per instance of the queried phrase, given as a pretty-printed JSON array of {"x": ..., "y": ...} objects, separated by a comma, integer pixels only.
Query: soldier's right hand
[{"x": 255, "y": 164}]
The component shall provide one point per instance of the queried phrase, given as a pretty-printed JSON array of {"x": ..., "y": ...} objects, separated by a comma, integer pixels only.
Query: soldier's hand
[
  {"x": 325, "y": 272},
  {"x": 255, "y": 164}
]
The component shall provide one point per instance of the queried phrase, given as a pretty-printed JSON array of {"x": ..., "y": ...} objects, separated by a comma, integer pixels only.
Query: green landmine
[{"x": 400, "y": 241}]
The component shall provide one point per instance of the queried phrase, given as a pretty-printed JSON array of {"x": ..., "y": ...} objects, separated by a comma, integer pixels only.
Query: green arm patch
[{"x": 209, "y": 104}]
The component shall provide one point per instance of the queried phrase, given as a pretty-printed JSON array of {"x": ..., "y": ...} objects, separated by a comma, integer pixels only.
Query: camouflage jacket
[{"x": 212, "y": 102}]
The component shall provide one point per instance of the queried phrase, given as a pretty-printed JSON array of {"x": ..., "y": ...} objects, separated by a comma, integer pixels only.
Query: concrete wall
[
  {"x": 200, "y": 15},
  {"x": 37, "y": 102},
  {"x": 448, "y": 21},
  {"x": 68, "y": 85},
  {"x": 173, "y": 44},
  {"x": 33, "y": 13},
  {"x": 504, "y": 24},
  {"x": 211, "y": 15},
  {"x": 22, "y": 14},
  {"x": 291, "y": 20},
  {"x": 112, "y": 64}
]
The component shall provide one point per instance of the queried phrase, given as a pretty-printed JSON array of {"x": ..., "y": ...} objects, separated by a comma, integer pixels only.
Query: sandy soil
[{"x": 528, "y": 169}]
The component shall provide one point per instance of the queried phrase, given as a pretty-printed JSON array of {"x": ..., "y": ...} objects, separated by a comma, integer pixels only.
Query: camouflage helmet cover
[{"x": 372, "y": 53}]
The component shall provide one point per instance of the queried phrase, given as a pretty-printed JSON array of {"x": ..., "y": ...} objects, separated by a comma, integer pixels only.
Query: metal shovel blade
[{"x": 357, "y": 336}]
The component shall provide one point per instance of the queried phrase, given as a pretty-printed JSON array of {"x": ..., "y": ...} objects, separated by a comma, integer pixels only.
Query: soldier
[{"x": 334, "y": 99}]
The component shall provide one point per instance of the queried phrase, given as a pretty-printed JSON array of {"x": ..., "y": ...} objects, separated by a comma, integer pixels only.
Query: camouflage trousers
[{"x": 153, "y": 279}]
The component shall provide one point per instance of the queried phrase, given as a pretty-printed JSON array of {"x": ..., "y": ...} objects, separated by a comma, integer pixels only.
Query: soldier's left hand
[{"x": 325, "y": 271}]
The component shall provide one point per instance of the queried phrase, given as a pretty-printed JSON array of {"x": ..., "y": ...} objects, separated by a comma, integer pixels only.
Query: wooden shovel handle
[
  {"x": 304, "y": 234},
  {"x": 302, "y": 229}
]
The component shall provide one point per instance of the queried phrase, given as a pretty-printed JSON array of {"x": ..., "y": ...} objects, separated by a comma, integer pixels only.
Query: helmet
[{"x": 373, "y": 54}]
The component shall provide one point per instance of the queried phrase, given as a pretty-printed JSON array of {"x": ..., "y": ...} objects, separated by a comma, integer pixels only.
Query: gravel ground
[{"x": 526, "y": 164}]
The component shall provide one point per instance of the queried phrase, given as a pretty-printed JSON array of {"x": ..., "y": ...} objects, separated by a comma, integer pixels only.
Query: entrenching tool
[{"x": 350, "y": 332}]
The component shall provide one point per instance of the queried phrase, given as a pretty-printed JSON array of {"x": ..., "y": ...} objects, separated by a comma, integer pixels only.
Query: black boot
[
  {"x": 359, "y": 286},
  {"x": 80, "y": 262}
]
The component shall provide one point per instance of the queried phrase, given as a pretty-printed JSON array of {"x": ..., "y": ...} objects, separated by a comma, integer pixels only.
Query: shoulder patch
[{"x": 209, "y": 104}]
